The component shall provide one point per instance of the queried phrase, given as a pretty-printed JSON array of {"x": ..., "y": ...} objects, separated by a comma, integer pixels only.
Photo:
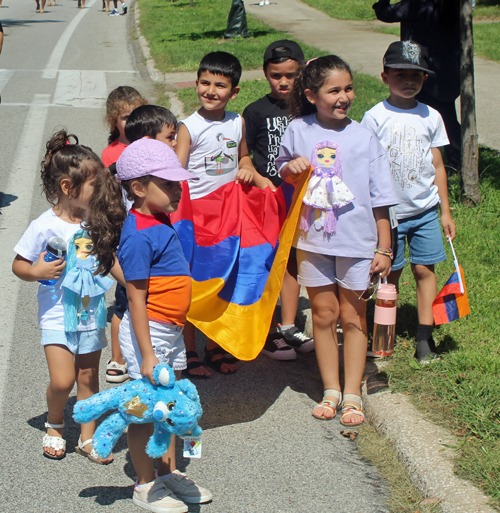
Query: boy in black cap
[
  {"x": 412, "y": 134},
  {"x": 266, "y": 120}
]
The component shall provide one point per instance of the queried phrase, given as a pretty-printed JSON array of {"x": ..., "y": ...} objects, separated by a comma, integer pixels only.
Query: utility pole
[{"x": 470, "y": 147}]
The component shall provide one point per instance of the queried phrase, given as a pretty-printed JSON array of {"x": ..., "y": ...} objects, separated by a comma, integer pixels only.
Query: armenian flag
[
  {"x": 237, "y": 240},
  {"x": 452, "y": 303}
]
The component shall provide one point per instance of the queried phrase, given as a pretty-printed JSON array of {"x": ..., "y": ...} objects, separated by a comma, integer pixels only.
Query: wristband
[{"x": 385, "y": 251}]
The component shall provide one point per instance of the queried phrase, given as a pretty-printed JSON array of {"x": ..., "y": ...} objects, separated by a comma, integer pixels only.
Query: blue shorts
[
  {"x": 425, "y": 242},
  {"x": 121, "y": 300},
  {"x": 79, "y": 342},
  {"x": 315, "y": 270}
]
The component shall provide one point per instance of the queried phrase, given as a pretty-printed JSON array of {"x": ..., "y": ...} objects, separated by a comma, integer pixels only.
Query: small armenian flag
[{"x": 452, "y": 303}]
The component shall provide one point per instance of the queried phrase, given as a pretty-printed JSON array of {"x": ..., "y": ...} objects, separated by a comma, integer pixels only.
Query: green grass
[
  {"x": 345, "y": 10},
  {"x": 487, "y": 40},
  {"x": 180, "y": 36},
  {"x": 462, "y": 392},
  {"x": 368, "y": 90}
]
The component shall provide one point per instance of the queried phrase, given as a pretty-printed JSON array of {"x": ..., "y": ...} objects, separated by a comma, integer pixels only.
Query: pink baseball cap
[{"x": 151, "y": 157}]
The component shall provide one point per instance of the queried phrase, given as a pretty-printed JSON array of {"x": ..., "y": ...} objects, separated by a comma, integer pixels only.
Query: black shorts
[{"x": 121, "y": 304}]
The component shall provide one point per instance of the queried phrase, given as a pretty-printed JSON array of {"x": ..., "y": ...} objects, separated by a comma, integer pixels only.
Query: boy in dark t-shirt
[{"x": 266, "y": 121}]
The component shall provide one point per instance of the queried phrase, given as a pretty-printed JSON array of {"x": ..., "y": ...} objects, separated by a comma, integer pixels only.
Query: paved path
[
  {"x": 363, "y": 49},
  {"x": 263, "y": 452}
]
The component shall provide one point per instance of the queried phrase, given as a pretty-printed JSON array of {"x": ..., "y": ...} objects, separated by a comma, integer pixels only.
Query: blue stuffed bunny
[{"x": 173, "y": 407}]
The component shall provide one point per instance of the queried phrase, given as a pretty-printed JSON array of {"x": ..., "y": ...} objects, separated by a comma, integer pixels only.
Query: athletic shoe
[
  {"x": 155, "y": 496},
  {"x": 296, "y": 339},
  {"x": 277, "y": 349},
  {"x": 186, "y": 489},
  {"x": 124, "y": 9},
  {"x": 114, "y": 12}
]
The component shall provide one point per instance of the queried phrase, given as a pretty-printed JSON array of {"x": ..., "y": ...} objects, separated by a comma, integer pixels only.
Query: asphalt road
[{"x": 262, "y": 451}]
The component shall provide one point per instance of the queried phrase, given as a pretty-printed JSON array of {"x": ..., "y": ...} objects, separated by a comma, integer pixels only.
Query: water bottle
[
  {"x": 384, "y": 328},
  {"x": 56, "y": 249}
]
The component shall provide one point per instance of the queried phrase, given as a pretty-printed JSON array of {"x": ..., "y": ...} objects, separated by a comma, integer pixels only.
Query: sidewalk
[{"x": 362, "y": 48}]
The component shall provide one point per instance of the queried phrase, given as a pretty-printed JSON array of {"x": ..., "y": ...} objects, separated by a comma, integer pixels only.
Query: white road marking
[
  {"x": 14, "y": 219},
  {"x": 5, "y": 76},
  {"x": 81, "y": 88},
  {"x": 57, "y": 54}
]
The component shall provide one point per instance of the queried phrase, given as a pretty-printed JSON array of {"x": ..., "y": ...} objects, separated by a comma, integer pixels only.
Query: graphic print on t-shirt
[
  {"x": 406, "y": 155},
  {"x": 226, "y": 158},
  {"x": 275, "y": 129}
]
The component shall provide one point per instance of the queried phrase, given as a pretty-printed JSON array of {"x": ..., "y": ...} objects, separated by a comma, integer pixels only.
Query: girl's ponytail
[
  {"x": 312, "y": 76},
  {"x": 104, "y": 220},
  {"x": 64, "y": 159}
]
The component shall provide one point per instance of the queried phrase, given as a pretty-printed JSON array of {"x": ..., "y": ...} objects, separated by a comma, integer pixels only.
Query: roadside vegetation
[
  {"x": 180, "y": 35},
  {"x": 462, "y": 391},
  {"x": 486, "y": 13}
]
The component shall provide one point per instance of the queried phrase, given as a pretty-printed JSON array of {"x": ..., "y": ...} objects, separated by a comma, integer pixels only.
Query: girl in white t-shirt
[
  {"x": 344, "y": 234},
  {"x": 72, "y": 324}
]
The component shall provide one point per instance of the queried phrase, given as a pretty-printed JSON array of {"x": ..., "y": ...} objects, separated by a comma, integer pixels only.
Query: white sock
[
  {"x": 166, "y": 476},
  {"x": 286, "y": 327},
  {"x": 140, "y": 487}
]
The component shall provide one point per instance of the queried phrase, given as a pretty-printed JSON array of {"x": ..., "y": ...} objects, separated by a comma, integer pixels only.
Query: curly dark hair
[
  {"x": 65, "y": 160},
  {"x": 104, "y": 220},
  {"x": 312, "y": 76}
]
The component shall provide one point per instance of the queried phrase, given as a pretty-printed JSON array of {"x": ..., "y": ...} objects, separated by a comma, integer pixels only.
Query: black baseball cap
[
  {"x": 406, "y": 55},
  {"x": 293, "y": 51}
]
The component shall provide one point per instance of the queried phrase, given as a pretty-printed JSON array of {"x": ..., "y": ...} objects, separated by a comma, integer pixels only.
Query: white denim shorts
[
  {"x": 167, "y": 341},
  {"x": 315, "y": 270}
]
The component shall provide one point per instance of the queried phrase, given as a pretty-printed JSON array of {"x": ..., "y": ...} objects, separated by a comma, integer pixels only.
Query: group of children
[{"x": 358, "y": 173}]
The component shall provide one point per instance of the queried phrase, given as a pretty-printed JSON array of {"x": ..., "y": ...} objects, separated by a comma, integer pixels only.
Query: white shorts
[
  {"x": 167, "y": 340},
  {"x": 315, "y": 270}
]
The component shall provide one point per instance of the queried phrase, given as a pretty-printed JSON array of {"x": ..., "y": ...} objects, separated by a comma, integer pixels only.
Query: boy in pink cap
[{"x": 158, "y": 283}]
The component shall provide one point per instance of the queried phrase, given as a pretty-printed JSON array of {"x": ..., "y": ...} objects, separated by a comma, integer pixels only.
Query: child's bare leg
[
  {"x": 325, "y": 313},
  {"x": 107, "y": 5},
  {"x": 116, "y": 3},
  {"x": 62, "y": 379},
  {"x": 426, "y": 291},
  {"x": 116, "y": 353},
  {"x": 138, "y": 436},
  {"x": 189, "y": 332},
  {"x": 167, "y": 464},
  {"x": 83, "y": 4},
  {"x": 87, "y": 381},
  {"x": 43, "y": 5},
  {"x": 290, "y": 291},
  {"x": 354, "y": 328}
]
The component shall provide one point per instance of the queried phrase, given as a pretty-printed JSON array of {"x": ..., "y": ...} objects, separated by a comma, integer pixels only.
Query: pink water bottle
[{"x": 384, "y": 328}]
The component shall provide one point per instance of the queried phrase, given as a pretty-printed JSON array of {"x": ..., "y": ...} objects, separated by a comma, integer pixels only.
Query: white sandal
[
  {"x": 54, "y": 442},
  {"x": 121, "y": 372},
  {"x": 352, "y": 408},
  {"x": 330, "y": 405},
  {"x": 92, "y": 455}
]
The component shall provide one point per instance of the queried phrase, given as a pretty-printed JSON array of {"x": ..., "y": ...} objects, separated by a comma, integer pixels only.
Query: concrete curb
[{"x": 421, "y": 447}]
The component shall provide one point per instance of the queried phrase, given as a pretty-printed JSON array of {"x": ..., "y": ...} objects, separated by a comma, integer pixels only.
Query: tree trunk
[{"x": 470, "y": 149}]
